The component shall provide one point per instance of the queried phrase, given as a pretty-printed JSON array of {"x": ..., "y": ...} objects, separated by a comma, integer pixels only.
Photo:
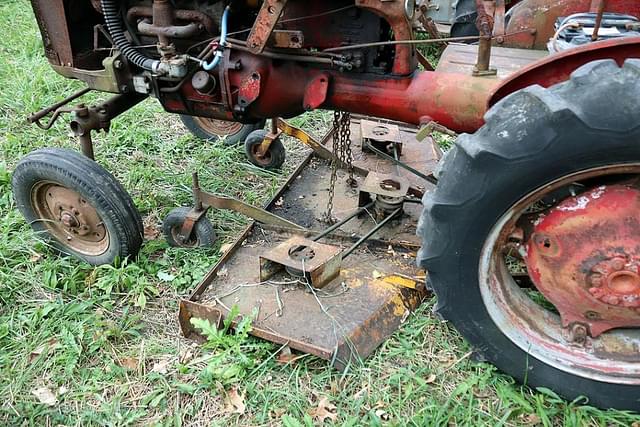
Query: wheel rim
[
  {"x": 264, "y": 160},
  {"x": 537, "y": 328},
  {"x": 218, "y": 127},
  {"x": 70, "y": 218}
]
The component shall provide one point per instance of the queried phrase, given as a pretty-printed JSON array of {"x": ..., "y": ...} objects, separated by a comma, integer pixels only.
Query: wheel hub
[
  {"x": 584, "y": 257},
  {"x": 70, "y": 218}
]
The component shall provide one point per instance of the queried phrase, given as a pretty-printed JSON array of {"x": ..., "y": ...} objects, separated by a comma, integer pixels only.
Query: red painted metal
[
  {"x": 584, "y": 257},
  {"x": 557, "y": 68},
  {"x": 534, "y": 19}
]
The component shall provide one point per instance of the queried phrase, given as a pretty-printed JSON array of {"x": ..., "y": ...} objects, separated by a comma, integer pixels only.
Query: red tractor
[{"x": 547, "y": 175}]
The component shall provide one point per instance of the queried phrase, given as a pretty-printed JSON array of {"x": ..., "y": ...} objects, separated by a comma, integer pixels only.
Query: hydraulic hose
[
  {"x": 223, "y": 40},
  {"x": 111, "y": 12}
]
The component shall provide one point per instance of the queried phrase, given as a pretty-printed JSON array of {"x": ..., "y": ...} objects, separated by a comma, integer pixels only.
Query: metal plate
[{"x": 461, "y": 58}]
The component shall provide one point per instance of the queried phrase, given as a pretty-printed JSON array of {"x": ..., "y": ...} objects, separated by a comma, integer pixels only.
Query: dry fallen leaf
[
  {"x": 225, "y": 248},
  {"x": 44, "y": 348},
  {"x": 161, "y": 366},
  {"x": 234, "y": 402},
  {"x": 130, "y": 363},
  {"x": 35, "y": 257},
  {"x": 530, "y": 419},
  {"x": 376, "y": 274},
  {"x": 382, "y": 414},
  {"x": 151, "y": 232},
  {"x": 431, "y": 378},
  {"x": 45, "y": 396},
  {"x": 286, "y": 356},
  {"x": 324, "y": 410}
]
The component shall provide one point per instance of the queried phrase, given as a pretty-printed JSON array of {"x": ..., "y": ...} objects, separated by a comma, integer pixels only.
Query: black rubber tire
[
  {"x": 531, "y": 138},
  {"x": 81, "y": 174},
  {"x": 203, "y": 235},
  {"x": 236, "y": 138},
  {"x": 277, "y": 152},
  {"x": 464, "y": 21}
]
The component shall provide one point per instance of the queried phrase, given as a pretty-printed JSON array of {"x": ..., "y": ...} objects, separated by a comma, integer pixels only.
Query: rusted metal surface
[
  {"x": 380, "y": 134},
  {"x": 484, "y": 23},
  {"x": 264, "y": 24},
  {"x": 316, "y": 262},
  {"x": 461, "y": 58},
  {"x": 70, "y": 218},
  {"x": 381, "y": 283},
  {"x": 261, "y": 215},
  {"x": 55, "y": 110},
  {"x": 54, "y": 29},
  {"x": 583, "y": 257},
  {"x": 289, "y": 39},
  {"x": 137, "y": 12}
]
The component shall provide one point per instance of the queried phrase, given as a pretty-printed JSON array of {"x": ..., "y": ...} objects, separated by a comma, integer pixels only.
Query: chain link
[{"x": 328, "y": 216}]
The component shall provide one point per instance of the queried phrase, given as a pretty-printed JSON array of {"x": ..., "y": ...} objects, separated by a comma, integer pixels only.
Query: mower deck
[{"x": 371, "y": 294}]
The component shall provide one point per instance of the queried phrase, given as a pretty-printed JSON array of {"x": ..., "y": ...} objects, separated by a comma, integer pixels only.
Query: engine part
[{"x": 579, "y": 29}]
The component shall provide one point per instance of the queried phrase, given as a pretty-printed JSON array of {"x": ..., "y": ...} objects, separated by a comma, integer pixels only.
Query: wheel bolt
[
  {"x": 596, "y": 279},
  {"x": 617, "y": 264},
  {"x": 68, "y": 220}
]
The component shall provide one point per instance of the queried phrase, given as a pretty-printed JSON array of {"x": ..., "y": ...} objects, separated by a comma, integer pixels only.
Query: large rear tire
[{"x": 532, "y": 139}]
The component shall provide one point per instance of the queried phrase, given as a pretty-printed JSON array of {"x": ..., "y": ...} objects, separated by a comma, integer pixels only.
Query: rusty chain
[{"x": 341, "y": 155}]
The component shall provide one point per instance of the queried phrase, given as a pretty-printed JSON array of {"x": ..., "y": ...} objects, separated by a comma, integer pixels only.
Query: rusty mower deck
[{"x": 341, "y": 307}]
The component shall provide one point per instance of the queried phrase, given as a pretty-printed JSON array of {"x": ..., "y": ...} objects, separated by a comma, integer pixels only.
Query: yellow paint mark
[
  {"x": 401, "y": 281},
  {"x": 398, "y": 305}
]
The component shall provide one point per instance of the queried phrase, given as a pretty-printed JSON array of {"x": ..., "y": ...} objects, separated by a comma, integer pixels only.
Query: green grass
[{"x": 105, "y": 341}]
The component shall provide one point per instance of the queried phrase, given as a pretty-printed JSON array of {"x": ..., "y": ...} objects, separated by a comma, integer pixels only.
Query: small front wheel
[
  {"x": 272, "y": 159},
  {"x": 79, "y": 204},
  {"x": 202, "y": 236}
]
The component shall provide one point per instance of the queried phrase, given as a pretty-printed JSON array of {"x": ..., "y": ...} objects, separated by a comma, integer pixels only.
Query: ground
[{"x": 101, "y": 346}]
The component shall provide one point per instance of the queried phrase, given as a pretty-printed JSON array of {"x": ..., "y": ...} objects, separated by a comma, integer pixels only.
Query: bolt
[
  {"x": 124, "y": 88},
  {"x": 68, "y": 220},
  {"x": 578, "y": 333},
  {"x": 592, "y": 315},
  {"x": 118, "y": 64},
  {"x": 596, "y": 279},
  {"x": 618, "y": 264}
]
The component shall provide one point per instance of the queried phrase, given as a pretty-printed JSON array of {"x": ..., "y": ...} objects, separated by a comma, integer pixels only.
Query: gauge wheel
[
  {"x": 532, "y": 236},
  {"x": 202, "y": 236},
  {"x": 234, "y": 133},
  {"x": 78, "y": 204},
  {"x": 272, "y": 159}
]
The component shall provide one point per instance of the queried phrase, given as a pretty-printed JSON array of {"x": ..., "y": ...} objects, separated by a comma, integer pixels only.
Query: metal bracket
[
  {"x": 204, "y": 201},
  {"x": 265, "y": 23},
  {"x": 317, "y": 262}
]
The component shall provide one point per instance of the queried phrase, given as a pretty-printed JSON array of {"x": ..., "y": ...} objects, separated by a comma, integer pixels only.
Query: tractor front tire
[{"x": 78, "y": 204}]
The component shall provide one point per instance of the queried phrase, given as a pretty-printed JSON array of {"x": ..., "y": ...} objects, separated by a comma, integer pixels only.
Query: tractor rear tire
[
  {"x": 531, "y": 138},
  {"x": 464, "y": 22}
]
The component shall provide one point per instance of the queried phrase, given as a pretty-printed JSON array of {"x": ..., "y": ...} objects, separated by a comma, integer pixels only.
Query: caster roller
[
  {"x": 234, "y": 133},
  {"x": 272, "y": 159},
  {"x": 202, "y": 236},
  {"x": 78, "y": 205}
]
